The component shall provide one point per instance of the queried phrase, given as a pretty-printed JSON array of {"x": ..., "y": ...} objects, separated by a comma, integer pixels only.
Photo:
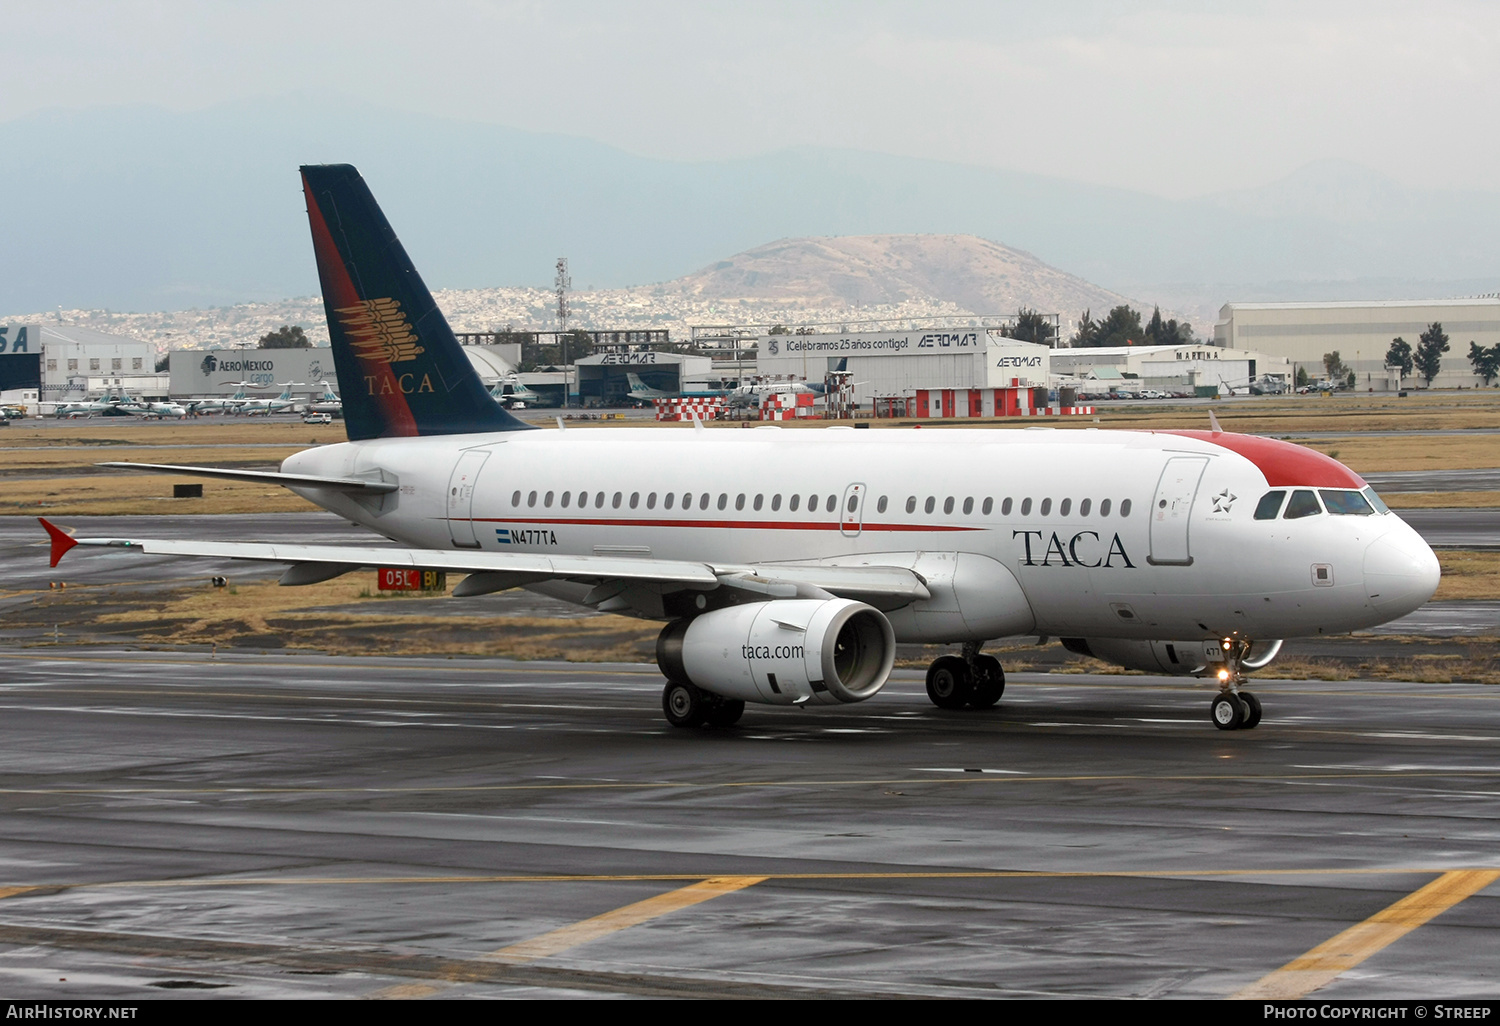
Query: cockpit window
[
  {"x": 1380, "y": 507},
  {"x": 1269, "y": 506},
  {"x": 1349, "y": 504},
  {"x": 1303, "y": 504}
]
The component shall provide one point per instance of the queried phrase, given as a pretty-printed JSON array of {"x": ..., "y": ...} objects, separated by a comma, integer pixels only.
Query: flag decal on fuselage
[{"x": 379, "y": 331}]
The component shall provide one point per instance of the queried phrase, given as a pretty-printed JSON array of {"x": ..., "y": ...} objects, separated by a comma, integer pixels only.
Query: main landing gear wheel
[
  {"x": 949, "y": 683},
  {"x": 684, "y": 704},
  {"x": 726, "y": 714},
  {"x": 988, "y": 682},
  {"x": 1228, "y": 712}
]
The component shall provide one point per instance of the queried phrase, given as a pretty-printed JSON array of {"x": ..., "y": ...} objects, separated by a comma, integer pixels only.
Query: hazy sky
[{"x": 1176, "y": 99}]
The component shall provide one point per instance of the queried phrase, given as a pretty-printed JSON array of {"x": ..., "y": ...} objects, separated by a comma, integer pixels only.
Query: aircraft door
[
  {"x": 1170, "y": 511},
  {"x": 852, "y": 511},
  {"x": 461, "y": 498}
]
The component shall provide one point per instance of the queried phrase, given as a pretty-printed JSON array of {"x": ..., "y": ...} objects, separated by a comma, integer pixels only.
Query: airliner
[{"x": 787, "y": 564}]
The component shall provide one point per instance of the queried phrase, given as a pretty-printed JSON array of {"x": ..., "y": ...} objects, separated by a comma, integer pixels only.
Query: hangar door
[{"x": 1171, "y": 509}]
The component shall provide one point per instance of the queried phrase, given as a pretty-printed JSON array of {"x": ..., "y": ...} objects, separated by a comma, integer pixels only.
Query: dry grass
[
  {"x": 1441, "y": 500},
  {"x": 1468, "y": 575},
  {"x": 122, "y": 493}
]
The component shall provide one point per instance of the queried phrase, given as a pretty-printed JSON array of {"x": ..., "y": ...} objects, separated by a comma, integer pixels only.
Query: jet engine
[
  {"x": 1184, "y": 658},
  {"x": 782, "y": 652}
]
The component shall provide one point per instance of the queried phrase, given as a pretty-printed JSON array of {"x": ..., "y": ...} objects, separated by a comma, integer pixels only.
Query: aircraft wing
[{"x": 886, "y": 587}]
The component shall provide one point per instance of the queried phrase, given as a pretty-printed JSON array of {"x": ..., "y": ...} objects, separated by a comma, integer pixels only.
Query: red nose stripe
[{"x": 1283, "y": 463}]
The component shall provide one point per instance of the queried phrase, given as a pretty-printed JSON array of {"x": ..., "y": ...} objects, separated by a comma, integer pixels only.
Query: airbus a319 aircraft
[{"x": 787, "y": 564}]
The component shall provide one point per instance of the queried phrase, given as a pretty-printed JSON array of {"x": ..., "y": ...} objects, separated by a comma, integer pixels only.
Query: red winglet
[{"x": 61, "y": 542}]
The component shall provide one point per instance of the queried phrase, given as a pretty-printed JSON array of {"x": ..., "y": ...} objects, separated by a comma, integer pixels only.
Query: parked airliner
[{"x": 787, "y": 564}]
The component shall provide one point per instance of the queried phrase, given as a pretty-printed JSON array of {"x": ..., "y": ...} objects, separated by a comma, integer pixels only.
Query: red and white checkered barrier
[
  {"x": 988, "y": 402},
  {"x": 787, "y": 406},
  {"x": 685, "y": 409}
]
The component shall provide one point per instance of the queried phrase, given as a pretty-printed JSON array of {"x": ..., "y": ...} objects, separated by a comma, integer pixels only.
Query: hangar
[
  {"x": 893, "y": 364},
  {"x": 1361, "y": 333}
]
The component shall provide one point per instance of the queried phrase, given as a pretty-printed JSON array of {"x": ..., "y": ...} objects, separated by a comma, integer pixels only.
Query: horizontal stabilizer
[{"x": 337, "y": 484}]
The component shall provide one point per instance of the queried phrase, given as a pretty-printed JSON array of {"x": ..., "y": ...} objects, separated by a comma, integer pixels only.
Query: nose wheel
[{"x": 1232, "y": 708}]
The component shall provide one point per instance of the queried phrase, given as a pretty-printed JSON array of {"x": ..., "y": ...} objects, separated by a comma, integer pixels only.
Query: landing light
[{"x": 1223, "y": 674}]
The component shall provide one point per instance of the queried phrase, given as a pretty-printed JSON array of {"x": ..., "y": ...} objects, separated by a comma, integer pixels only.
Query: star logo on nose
[{"x": 1223, "y": 501}]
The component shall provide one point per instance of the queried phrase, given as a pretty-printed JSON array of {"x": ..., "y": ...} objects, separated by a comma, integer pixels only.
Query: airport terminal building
[{"x": 1361, "y": 333}]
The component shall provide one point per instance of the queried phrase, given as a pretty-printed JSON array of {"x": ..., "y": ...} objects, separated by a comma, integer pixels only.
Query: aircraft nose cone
[{"x": 1401, "y": 573}]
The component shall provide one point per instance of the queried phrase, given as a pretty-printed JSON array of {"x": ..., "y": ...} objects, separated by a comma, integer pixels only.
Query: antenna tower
[{"x": 562, "y": 283}]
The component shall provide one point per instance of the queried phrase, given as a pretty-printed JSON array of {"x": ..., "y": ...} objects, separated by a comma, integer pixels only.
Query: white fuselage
[{"x": 1096, "y": 527}]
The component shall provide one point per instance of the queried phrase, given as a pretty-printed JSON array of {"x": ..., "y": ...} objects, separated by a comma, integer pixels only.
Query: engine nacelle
[
  {"x": 782, "y": 652},
  {"x": 1182, "y": 658}
]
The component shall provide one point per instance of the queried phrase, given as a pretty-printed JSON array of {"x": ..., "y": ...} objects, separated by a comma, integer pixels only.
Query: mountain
[
  {"x": 147, "y": 209},
  {"x": 866, "y": 270}
]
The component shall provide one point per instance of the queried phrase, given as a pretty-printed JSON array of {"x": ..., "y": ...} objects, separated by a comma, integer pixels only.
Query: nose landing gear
[{"x": 1233, "y": 708}]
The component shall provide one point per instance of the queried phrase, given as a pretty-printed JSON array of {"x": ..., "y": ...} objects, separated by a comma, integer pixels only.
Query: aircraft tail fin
[{"x": 401, "y": 371}]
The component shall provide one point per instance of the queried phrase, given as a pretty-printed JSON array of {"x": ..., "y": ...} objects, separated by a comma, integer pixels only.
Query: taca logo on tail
[{"x": 401, "y": 371}]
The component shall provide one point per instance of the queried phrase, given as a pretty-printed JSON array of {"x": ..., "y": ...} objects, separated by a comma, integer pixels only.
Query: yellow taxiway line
[
  {"x": 1326, "y": 962},
  {"x": 556, "y": 941}
]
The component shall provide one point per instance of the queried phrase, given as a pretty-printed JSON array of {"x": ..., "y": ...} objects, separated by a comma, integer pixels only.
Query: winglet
[
  {"x": 1213, "y": 423},
  {"x": 61, "y": 542}
]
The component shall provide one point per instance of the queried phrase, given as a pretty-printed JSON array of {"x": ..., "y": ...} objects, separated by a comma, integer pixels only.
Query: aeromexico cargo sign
[{"x": 219, "y": 371}]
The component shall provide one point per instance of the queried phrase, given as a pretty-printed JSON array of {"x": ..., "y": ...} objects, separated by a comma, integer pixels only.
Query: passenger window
[
  {"x": 880, "y": 505},
  {"x": 775, "y": 502},
  {"x": 948, "y": 505},
  {"x": 929, "y": 505},
  {"x": 911, "y": 503},
  {"x": 812, "y": 503},
  {"x": 759, "y": 499},
  {"x": 1104, "y": 508},
  {"x": 989, "y": 504},
  {"x": 531, "y": 499},
  {"x": 853, "y": 501},
  {"x": 1269, "y": 505},
  {"x": 1046, "y": 506},
  {"x": 703, "y": 500},
  {"x": 1346, "y": 504},
  {"x": 547, "y": 500},
  {"x": 566, "y": 498},
  {"x": 1124, "y": 507},
  {"x": 968, "y": 505},
  {"x": 651, "y": 501},
  {"x": 599, "y": 500},
  {"x": 723, "y": 500},
  {"x": 1303, "y": 503},
  {"x": 1083, "y": 507},
  {"x": 1005, "y": 507},
  {"x": 615, "y": 502},
  {"x": 668, "y": 499},
  {"x": 793, "y": 503},
  {"x": 739, "y": 501},
  {"x": 1025, "y": 507},
  {"x": 635, "y": 499},
  {"x": 515, "y": 500},
  {"x": 1062, "y": 510}
]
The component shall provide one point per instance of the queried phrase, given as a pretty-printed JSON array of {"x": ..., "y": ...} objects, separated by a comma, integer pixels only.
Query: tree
[
  {"x": 1302, "y": 378},
  {"x": 779, "y": 329},
  {"x": 1031, "y": 326},
  {"x": 1429, "y": 355},
  {"x": 1087, "y": 329},
  {"x": 1398, "y": 358},
  {"x": 1350, "y": 380},
  {"x": 292, "y": 337},
  {"x": 1485, "y": 361},
  {"x": 1121, "y": 328},
  {"x": 1168, "y": 332},
  {"x": 1333, "y": 365}
]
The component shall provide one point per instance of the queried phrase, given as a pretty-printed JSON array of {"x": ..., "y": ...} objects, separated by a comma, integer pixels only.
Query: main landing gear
[
  {"x": 689, "y": 706},
  {"x": 1233, "y": 708},
  {"x": 971, "y": 681}
]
